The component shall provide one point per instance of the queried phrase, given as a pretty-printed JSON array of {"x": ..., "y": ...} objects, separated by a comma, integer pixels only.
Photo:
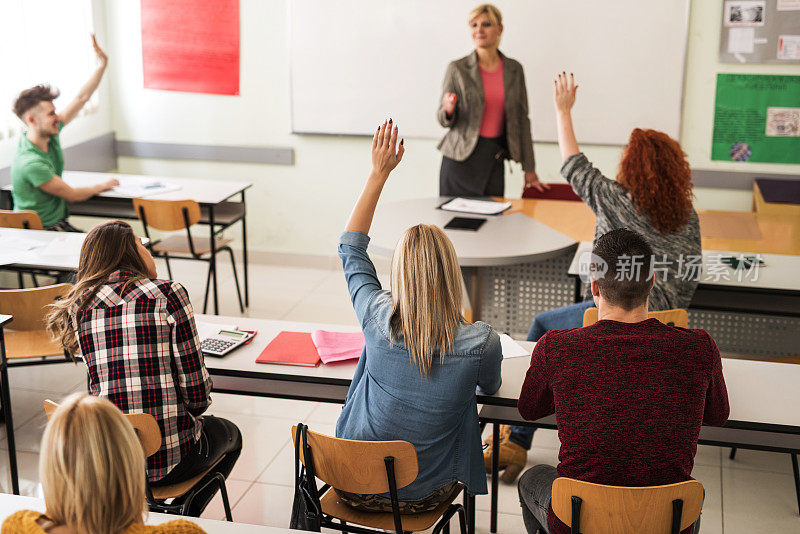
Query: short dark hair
[
  {"x": 31, "y": 97},
  {"x": 629, "y": 259}
]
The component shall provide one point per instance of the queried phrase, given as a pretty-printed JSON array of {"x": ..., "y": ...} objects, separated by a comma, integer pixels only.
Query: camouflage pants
[{"x": 379, "y": 503}]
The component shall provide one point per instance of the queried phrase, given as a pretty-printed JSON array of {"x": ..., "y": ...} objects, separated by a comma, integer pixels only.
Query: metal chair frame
[{"x": 194, "y": 256}]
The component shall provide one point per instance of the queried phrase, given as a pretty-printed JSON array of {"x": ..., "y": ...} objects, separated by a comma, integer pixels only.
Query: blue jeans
[{"x": 559, "y": 319}]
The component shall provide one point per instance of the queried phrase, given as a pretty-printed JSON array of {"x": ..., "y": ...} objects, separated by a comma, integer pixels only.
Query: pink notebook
[{"x": 338, "y": 346}]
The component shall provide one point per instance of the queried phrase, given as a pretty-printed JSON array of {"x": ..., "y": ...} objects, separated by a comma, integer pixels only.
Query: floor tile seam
[
  {"x": 275, "y": 457},
  {"x": 234, "y": 505},
  {"x": 788, "y": 472}
]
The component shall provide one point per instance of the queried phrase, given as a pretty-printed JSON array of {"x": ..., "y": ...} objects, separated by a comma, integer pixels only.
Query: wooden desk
[
  {"x": 217, "y": 209},
  {"x": 774, "y": 291},
  {"x": 780, "y": 234},
  {"x": 14, "y": 503},
  {"x": 763, "y": 396}
]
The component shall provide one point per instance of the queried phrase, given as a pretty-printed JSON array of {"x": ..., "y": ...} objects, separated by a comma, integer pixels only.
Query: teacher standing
[{"x": 485, "y": 106}]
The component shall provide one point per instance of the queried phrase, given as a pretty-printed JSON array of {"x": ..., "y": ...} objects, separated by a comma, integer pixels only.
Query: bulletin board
[
  {"x": 757, "y": 118},
  {"x": 760, "y": 31}
]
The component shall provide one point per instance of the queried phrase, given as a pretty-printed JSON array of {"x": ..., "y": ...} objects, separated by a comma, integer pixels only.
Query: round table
[{"x": 508, "y": 238}]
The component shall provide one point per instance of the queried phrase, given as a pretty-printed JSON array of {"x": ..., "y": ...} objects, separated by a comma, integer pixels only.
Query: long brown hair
[
  {"x": 426, "y": 294},
  {"x": 655, "y": 171},
  {"x": 109, "y": 247}
]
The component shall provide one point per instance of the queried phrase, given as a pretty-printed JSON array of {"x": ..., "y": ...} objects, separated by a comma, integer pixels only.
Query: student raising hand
[
  {"x": 385, "y": 152},
  {"x": 564, "y": 98},
  {"x": 564, "y": 94}
]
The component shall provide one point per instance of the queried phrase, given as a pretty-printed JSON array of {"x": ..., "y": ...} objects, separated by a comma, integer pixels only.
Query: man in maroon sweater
[{"x": 629, "y": 393}]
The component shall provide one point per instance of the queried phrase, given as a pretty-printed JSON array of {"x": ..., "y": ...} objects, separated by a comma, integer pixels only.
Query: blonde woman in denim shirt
[{"x": 416, "y": 378}]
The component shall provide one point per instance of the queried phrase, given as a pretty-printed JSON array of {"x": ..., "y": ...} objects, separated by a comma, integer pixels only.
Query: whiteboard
[{"x": 355, "y": 63}]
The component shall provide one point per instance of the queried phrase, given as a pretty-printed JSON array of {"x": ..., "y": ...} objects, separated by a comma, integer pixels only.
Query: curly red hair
[{"x": 655, "y": 171}]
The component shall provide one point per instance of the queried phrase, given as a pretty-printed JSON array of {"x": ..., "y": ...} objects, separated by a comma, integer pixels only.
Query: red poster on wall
[{"x": 191, "y": 45}]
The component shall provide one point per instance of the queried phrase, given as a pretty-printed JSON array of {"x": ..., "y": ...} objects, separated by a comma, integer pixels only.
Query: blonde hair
[
  {"x": 426, "y": 294},
  {"x": 92, "y": 467},
  {"x": 490, "y": 11}
]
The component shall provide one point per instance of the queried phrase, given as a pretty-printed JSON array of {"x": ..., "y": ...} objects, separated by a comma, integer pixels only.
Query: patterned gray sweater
[{"x": 614, "y": 208}]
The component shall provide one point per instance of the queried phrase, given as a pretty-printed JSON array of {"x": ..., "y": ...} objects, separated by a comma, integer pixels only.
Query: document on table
[
  {"x": 14, "y": 249},
  {"x": 142, "y": 187},
  {"x": 511, "y": 348},
  {"x": 480, "y": 207},
  {"x": 65, "y": 244}
]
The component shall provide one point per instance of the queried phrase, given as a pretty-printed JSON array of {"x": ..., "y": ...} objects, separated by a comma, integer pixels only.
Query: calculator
[{"x": 223, "y": 342}]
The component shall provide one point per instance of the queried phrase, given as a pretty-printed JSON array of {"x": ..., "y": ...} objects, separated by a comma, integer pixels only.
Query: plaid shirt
[{"x": 140, "y": 344}]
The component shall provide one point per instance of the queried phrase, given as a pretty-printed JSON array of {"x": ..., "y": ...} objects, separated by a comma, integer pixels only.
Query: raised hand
[
  {"x": 449, "y": 103},
  {"x": 385, "y": 151},
  {"x": 99, "y": 52},
  {"x": 564, "y": 93}
]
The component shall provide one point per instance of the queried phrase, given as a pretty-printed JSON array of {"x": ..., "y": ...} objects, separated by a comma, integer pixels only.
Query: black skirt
[{"x": 481, "y": 174}]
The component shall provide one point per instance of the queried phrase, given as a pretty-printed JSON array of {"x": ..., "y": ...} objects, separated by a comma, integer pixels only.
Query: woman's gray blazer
[{"x": 464, "y": 79}]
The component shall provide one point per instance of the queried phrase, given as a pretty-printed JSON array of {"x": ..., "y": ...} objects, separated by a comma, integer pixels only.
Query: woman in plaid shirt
[{"x": 138, "y": 338}]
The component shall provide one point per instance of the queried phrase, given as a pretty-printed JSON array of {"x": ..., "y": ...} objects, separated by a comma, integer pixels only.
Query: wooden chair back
[
  {"x": 28, "y": 305},
  {"x": 144, "y": 424},
  {"x": 167, "y": 215},
  {"x": 20, "y": 219},
  {"x": 626, "y": 510},
  {"x": 358, "y": 466},
  {"x": 675, "y": 317}
]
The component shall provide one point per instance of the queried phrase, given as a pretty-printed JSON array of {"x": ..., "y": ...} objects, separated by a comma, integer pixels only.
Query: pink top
[{"x": 494, "y": 102}]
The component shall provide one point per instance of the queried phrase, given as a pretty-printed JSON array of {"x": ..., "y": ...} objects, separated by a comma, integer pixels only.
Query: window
[{"x": 43, "y": 41}]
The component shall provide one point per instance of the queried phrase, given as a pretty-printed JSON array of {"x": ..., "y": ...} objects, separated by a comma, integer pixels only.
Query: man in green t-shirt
[{"x": 38, "y": 164}]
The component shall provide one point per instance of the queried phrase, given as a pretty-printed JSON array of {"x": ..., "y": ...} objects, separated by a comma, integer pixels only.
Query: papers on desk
[
  {"x": 510, "y": 348},
  {"x": 480, "y": 207},
  {"x": 338, "y": 346},
  {"x": 142, "y": 187},
  {"x": 66, "y": 244}
]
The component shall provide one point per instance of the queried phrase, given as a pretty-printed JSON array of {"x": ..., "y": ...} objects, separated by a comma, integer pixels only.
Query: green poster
[{"x": 757, "y": 118}]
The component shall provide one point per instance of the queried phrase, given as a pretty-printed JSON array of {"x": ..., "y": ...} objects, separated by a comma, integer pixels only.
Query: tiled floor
[{"x": 754, "y": 493}]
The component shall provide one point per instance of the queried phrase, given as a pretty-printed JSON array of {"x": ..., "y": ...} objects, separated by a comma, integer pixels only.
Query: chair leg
[
  {"x": 169, "y": 268},
  {"x": 469, "y": 508},
  {"x": 5, "y": 395},
  {"x": 796, "y": 479},
  {"x": 236, "y": 279},
  {"x": 732, "y": 455},
  {"x": 462, "y": 520},
  {"x": 223, "y": 491},
  {"x": 20, "y": 281},
  {"x": 208, "y": 287}
]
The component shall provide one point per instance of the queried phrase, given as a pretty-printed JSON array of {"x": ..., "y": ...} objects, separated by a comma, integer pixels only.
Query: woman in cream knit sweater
[{"x": 92, "y": 471}]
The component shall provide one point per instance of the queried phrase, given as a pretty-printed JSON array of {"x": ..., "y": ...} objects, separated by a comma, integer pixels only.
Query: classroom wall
[
  {"x": 301, "y": 209},
  {"x": 82, "y": 128}
]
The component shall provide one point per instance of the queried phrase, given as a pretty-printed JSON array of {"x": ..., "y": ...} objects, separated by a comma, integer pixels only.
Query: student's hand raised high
[
  {"x": 386, "y": 153},
  {"x": 564, "y": 93},
  {"x": 101, "y": 56}
]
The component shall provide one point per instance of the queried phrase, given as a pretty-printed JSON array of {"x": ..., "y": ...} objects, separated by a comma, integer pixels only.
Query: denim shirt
[{"x": 389, "y": 400}]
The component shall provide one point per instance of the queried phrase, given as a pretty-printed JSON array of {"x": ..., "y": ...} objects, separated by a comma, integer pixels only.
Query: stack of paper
[
  {"x": 511, "y": 348},
  {"x": 480, "y": 207}
]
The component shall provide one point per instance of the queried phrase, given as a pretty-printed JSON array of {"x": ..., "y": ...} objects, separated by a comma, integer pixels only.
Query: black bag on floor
[{"x": 306, "y": 512}]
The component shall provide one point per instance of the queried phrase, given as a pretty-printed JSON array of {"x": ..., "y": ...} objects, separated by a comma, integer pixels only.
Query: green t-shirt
[{"x": 30, "y": 169}]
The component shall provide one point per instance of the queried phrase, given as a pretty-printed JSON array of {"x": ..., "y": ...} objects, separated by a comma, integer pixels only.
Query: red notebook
[{"x": 291, "y": 348}]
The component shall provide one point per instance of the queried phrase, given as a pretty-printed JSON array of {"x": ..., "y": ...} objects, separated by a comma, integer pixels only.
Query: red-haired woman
[{"x": 652, "y": 195}]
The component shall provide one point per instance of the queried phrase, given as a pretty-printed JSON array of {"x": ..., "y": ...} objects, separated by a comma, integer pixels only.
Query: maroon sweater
[{"x": 629, "y": 399}]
